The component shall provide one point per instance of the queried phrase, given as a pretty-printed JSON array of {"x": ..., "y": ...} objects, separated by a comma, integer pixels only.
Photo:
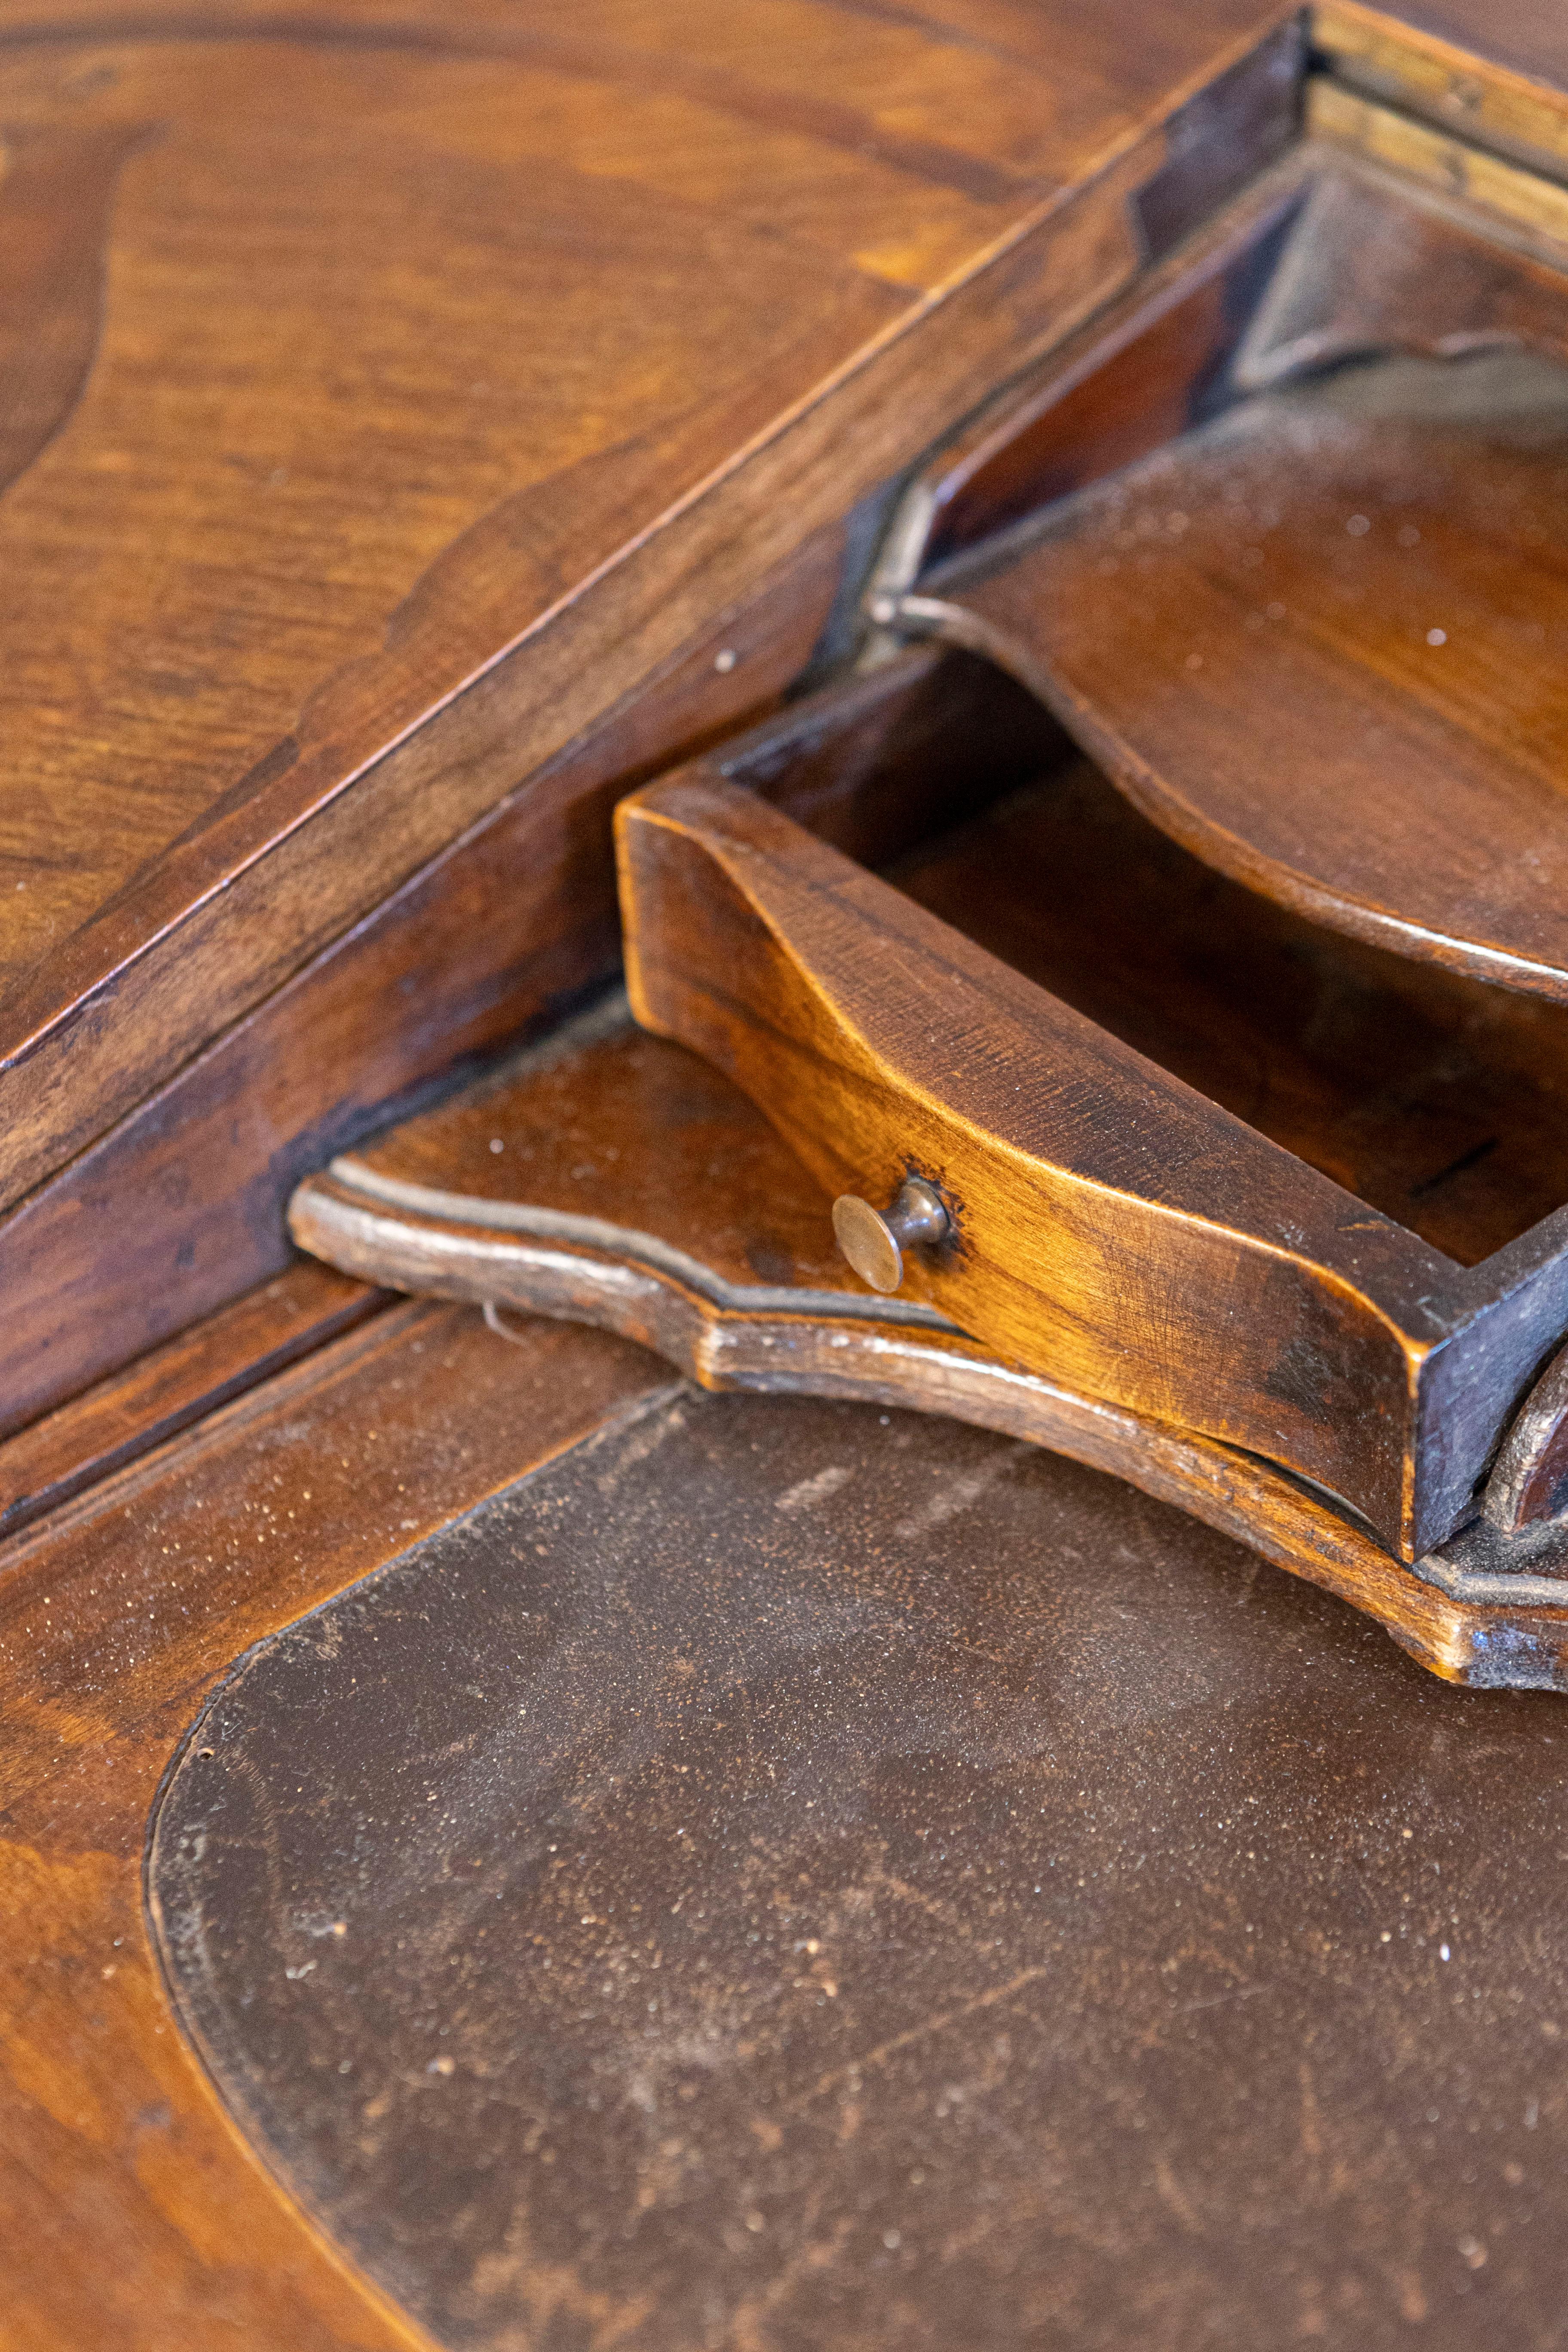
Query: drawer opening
[{"x": 1438, "y": 1098}]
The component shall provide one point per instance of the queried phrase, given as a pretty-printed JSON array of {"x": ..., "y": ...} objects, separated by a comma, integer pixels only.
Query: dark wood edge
[
  {"x": 179, "y": 1208},
  {"x": 1452, "y": 1617},
  {"x": 1525, "y": 1488},
  {"x": 173, "y": 1386}
]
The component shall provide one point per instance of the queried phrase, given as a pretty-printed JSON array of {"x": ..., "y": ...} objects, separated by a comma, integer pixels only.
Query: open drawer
[
  {"x": 1092, "y": 1214},
  {"x": 1167, "y": 973},
  {"x": 1275, "y": 547}
]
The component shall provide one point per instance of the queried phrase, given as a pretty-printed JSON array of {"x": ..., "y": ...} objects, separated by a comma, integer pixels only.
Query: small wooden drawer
[{"x": 1238, "y": 1062}]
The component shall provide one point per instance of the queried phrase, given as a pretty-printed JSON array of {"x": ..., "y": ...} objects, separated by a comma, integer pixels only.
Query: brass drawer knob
[{"x": 874, "y": 1242}]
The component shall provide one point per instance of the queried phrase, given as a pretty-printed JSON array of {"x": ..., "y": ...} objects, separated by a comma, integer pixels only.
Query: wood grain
[
  {"x": 1152, "y": 364},
  {"x": 171, "y": 1387},
  {"x": 1113, "y": 1229},
  {"x": 180, "y": 1207},
  {"x": 873, "y": 1037},
  {"x": 1494, "y": 76},
  {"x": 1437, "y": 1099},
  {"x": 1359, "y": 564},
  {"x": 137, "y": 2216},
  {"x": 463, "y": 446},
  {"x": 55, "y": 203},
  {"x": 1522, "y": 202},
  {"x": 636, "y": 1190}
]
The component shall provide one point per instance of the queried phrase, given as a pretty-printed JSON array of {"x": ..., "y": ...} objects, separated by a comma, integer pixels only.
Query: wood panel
[
  {"x": 136, "y": 2216},
  {"x": 502, "y": 931},
  {"x": 423, "y": 343},
  {"x": 171, "y": 1387},
  {"x": 1442, "y": 1102},
  {"x": 798, "y": 1003},
  {"x": 1150, "y": 367},
  {"x": 1496, "y": 76},
  {"x": 1526, "y": 205},
  {"x": 1320, "y": 638}
]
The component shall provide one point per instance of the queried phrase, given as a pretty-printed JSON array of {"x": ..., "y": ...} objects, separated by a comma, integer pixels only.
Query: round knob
[{"x": 874, "y": 1243}]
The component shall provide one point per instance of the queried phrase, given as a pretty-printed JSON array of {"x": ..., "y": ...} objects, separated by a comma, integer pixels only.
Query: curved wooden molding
[
  {"x": 1114, "y": 1228},
  {"x": 1461, "y": 1615},
  {"x": 1528, "y": 1484}
]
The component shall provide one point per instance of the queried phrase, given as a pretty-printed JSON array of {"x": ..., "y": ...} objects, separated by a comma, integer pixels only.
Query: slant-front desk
[{"x": 783, "y": 1139}]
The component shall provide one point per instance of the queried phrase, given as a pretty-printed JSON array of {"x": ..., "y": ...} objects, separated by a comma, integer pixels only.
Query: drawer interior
[
  {"x": 1437, "y": 1099},
  {"x": 1277, "y": 545},
  {"x": 1280, "y": 549}
]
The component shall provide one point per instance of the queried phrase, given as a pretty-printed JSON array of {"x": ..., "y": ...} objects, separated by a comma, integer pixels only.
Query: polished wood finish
[
  {"x": 1113, "y": 1230},
  {"x": 1526, "y": 205},
  {"x": 1350, "y": 574},
  {"x": 1439, "y": 1100},
  {"x": 180, "y": 1207},
  {"x": 1496, "y": 77},
  {"x": 405, "y": 419},
  {"x": 464, "y": 415},
  {"x": 614, "y": 1179}
]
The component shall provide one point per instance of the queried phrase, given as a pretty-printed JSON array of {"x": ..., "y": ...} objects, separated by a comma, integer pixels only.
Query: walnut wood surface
[
  {"x": 458, "y": 371},
  {"x": 180, "y": 1207},
  {"x": 262, "y": 523},
  {"x": 1367, "y": 272},
  {"x": 1114, "y": 1230},
  {"x": 1441, "y": 1101},
  {"x": 170, "y": 1386},
  {"x": 1497, "y": 76},
  {"x": 136, "y": 2217},
  {"x": 1141, "y": 371},
  {"x": 1524, "y": 206},
  {"x": 1318, "y": 639},
  {"x": 614, "y": 1179}
]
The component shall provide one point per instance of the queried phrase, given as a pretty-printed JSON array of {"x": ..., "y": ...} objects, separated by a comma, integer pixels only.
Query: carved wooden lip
[
  {"x": 597, "y": 1234},
  {"x": 1465, "y": 1616},
  {"x": 1213, "y": 1282}
]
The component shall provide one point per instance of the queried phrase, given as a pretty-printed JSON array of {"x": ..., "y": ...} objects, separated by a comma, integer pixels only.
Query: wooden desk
[{"x": 807, "y": 1877}]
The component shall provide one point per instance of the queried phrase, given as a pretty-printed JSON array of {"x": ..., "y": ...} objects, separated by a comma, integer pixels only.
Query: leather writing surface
[{"x": 797, "y": 1875}]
